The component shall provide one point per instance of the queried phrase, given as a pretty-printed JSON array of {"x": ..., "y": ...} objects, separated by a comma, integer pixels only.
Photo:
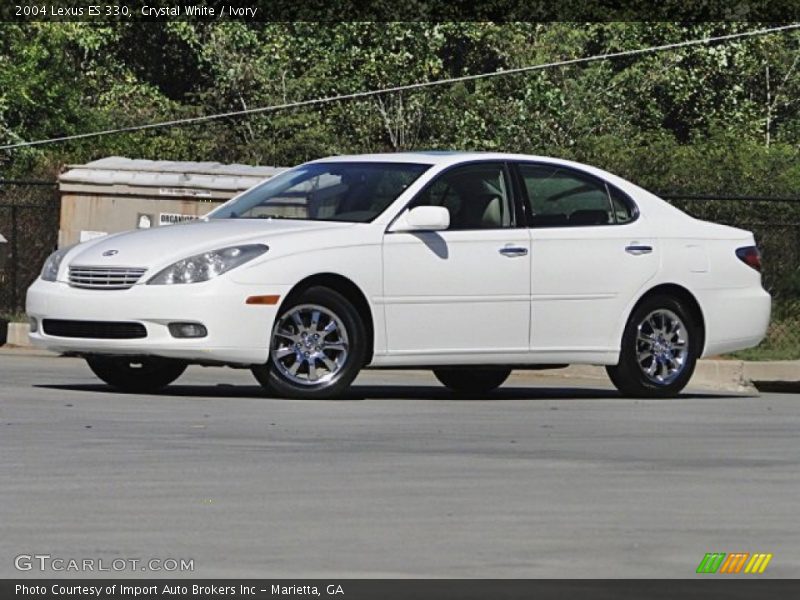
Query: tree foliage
[{"x": 722, "y": 118}]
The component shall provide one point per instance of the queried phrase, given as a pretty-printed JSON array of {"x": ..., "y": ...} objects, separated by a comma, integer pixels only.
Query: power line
[{"x": 413, "y": 86}]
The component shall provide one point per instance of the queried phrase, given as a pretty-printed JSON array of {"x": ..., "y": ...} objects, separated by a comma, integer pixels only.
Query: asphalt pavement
[{"x": 546, "y": 478}]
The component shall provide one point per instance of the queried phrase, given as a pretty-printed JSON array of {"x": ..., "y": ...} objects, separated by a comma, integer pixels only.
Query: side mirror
[{"x": 423, "y": 218}]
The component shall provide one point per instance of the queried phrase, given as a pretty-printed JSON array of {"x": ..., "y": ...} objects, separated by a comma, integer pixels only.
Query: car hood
[{"x": 150, "y": 247}]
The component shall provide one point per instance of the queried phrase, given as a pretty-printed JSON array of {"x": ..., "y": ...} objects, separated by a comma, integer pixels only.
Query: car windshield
[{"x": 331, "y": 191}]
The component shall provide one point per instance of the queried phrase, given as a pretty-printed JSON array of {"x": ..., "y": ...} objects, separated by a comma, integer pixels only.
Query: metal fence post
[{"x": 14, "y": 256}]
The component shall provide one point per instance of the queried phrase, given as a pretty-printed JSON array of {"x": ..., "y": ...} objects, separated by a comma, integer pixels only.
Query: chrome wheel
[
  {"x": 309, "y": 345},
  {"x": 662, "y": 346}
]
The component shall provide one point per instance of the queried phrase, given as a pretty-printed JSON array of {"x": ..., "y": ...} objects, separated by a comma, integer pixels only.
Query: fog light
[
  {"x": 34, "y": 324},
  {"x": 187, "y": 330}
]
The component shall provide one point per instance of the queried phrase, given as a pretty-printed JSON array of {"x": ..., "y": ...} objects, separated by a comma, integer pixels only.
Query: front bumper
[{"x": 237, "y": 332}]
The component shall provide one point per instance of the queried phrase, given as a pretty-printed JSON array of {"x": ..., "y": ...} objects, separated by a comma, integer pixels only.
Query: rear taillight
[{"x": 750, "y": 256}]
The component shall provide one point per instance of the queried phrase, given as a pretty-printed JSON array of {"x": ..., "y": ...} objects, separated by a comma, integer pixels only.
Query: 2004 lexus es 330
[{"x": 470, "y": 264}]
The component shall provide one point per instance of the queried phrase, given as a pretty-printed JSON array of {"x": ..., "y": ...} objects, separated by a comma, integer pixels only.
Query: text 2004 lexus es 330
[{"x": 470, "y": 264}]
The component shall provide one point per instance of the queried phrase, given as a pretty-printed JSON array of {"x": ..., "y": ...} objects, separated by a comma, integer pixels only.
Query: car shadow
[{"x": 391, "y": 392}]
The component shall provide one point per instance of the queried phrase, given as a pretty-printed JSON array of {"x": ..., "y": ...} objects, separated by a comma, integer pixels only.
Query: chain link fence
[{"x": 29, "y": 215}]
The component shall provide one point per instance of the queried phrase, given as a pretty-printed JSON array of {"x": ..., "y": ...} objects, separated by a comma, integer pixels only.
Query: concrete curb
[
  {"x": 773, "y": 370},
  {"x": 27, "y": 351},
  {"x": 18, "y": 335},
  {"x": 721, "y": 375},
  {"x": 727, "y": 375},
  {"x": 724, "y": 375}
]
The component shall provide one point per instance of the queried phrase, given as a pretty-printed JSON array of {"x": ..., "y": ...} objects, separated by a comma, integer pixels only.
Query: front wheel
[
  {"x": 317, "y": 348},
  {"x": 141, "y": 375},
  {"x": 472, "y": 381},
  {"x": 659, "y": 350}
]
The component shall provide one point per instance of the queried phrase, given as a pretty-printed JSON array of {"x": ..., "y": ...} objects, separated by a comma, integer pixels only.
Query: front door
[{"x": 465, "y": 290}]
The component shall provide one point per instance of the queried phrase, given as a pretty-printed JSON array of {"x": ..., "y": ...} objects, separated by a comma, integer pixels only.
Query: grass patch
[
  {"x": 15, "y": 317},
  {"x": 765, "y": 352}
]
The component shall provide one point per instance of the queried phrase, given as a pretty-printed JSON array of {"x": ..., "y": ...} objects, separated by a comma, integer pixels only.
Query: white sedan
[{"x": 470, "y": 264}]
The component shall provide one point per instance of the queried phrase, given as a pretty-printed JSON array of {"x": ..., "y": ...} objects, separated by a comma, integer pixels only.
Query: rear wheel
[
  {"x": 142, "y": 375},
  {"x": 659, "y": 350},
  {"x": 472, "y": 381},
  {"x": 317, "y": 348}
]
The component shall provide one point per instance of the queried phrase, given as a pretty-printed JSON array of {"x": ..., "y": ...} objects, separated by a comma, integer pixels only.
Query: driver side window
[{"x": 477, "y": 197}]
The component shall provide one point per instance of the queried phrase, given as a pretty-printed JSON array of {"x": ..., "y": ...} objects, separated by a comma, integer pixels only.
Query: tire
[
  {"x": 317, "y": 347},
  {"x": 136, "y": 374},
  {"x": 472, "y": 381},
  {"x": 660, "y": 363}
]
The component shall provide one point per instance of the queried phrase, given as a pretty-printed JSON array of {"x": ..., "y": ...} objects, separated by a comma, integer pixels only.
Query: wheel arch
[
  {"x": 684, "y": 296},
  {"x": 347, "y": 288}
]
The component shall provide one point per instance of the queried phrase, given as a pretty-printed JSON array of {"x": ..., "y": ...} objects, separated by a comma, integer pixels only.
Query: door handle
[
  {"x": 638, "y": 250},
  {"x": 513, "y": 251}
]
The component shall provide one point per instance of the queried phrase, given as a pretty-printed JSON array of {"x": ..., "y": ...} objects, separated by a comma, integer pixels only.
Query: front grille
[
  {"x": 104, "y": 278},
  {"x": 102, "y": 330}
]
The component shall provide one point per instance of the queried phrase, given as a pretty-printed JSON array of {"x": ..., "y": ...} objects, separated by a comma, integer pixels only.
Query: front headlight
[
  {"x": 205, "y": 266},
  {"x": 50, "y": 268}
]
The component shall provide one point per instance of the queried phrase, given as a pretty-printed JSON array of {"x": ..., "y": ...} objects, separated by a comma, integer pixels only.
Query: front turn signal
[{"x": 271, "y": 300}]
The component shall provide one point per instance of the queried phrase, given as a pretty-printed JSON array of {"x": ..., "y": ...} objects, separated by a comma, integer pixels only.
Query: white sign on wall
[
  {"x": 173, "y": 218},
  {"x": 184, "y": 192},
  {"x": 90, "y": 235}
]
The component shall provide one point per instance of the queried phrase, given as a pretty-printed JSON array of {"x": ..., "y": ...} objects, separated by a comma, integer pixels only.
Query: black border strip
[
  {"x": 403, "y": 10},
  {"x": 710, "y": 587}
]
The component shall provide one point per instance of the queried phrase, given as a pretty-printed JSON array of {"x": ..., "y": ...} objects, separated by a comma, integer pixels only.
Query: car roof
[
  {"x": 435, "y": 157},
  {"x": 448, "y": 158}
]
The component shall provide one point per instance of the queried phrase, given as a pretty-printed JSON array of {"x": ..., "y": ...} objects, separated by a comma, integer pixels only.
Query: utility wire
[{"x": 413, "y": 86}]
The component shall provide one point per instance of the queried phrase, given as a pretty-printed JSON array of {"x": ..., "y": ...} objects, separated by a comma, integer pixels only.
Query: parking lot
[{"x": 547, "y": 478}]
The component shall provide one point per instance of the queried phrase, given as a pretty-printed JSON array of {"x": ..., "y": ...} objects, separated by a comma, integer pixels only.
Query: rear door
[{"x": 591, "y": 254}]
